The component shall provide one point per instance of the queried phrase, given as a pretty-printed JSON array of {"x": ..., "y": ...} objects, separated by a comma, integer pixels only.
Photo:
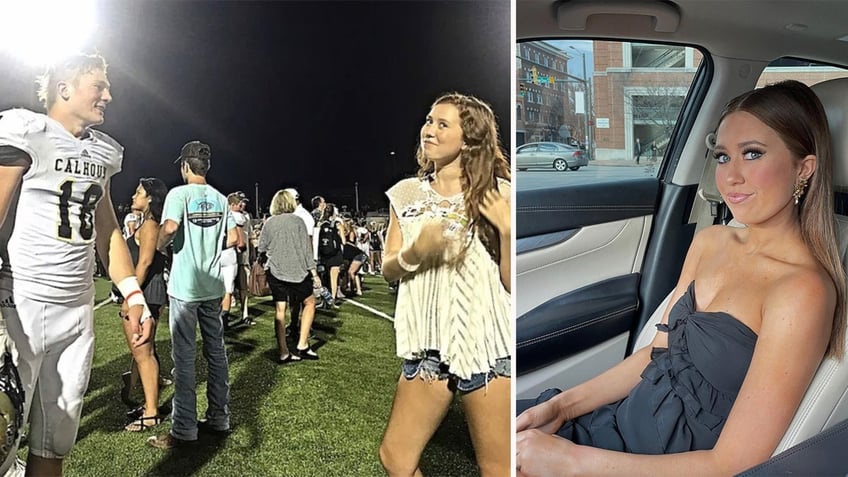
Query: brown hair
[
  {"x": 794, "y": 111},
  {"x": 482, "y": 160}
]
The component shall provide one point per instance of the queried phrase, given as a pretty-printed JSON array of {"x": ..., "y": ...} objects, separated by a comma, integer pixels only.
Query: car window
[
  {"x": 547, "y": 148},
  {"x": 807, "y": 72},
  {"x": 526, "y": 149},
  {"x": 615, "y": 102}
]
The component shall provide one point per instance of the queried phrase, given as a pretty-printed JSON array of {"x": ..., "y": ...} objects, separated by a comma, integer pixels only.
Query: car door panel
[
  {"x": 542, "y": 211},
  {"x": 576, "y": 321},
  {"x": 573, "y": 370},
  {"x": 591, "y": 255},
  {"x": 579, "y": 253}
]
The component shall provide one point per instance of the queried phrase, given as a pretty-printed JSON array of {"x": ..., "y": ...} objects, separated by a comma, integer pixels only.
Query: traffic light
[
  {"x": 551, "y": 80},
  {"x": 521, "y": 89},
  {"x": 534, "y": 75}
]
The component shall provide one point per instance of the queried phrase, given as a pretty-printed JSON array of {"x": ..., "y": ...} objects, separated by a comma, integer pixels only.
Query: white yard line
[
  {"x": 372, "y": 310},
  {"x": 104, "y": 302}
]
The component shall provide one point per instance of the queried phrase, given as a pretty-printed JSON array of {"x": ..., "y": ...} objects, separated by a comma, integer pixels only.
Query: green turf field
[{"x": 320, "y": 418}]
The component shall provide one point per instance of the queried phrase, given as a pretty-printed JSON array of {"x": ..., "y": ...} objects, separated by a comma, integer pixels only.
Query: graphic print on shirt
[{"x": 204, "y": 213}]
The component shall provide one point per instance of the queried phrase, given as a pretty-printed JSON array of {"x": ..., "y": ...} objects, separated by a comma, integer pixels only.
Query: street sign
[
  {"x": 602, "y": 123},
  {"x": 563, "y": 132}
]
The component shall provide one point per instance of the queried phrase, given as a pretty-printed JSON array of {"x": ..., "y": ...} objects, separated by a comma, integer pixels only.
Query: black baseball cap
[{"x": 195, "y": 149}]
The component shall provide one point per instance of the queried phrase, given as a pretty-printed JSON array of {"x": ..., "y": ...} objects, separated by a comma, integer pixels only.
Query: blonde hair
[
  {"x": 67, "y": 69},
  {"x": 483, "y": 161},
  {"x": 794, "y": 111},
  {"x": 283, "y": 203}
]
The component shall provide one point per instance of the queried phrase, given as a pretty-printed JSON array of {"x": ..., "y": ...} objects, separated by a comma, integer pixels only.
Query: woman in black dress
[
  {"x": 150, "y": 267},
  {"x": 755, "y": 310}
]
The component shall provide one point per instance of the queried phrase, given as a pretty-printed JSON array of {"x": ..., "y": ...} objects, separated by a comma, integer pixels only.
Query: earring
[{"x": 800, "y": 186}]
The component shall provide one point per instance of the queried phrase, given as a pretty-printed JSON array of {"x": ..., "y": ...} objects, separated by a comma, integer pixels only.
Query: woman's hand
[
  {"x": 431, "y": 243},
  {"x": 545, "y": 417},
  {"x": 495, "y": 208},
  {"x": 540, "y": 454}
]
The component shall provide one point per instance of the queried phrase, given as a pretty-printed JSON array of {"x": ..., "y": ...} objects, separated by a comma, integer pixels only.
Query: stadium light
[{"x": 42, "y": 31}]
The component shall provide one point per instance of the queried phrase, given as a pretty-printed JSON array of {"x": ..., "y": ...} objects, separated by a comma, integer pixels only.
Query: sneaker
[
  {"x": 203, "y": 426},
  {"x": 167, "y": 441}
]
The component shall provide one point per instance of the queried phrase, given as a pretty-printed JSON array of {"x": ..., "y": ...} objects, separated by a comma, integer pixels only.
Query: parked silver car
[{"x": 550, "y": 154}]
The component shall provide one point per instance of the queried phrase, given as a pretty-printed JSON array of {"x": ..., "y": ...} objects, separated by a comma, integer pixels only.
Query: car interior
[{"x": 597, "y": 258}]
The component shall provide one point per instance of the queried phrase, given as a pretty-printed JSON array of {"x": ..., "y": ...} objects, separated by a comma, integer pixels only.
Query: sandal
[
  {"x": 307, "y": 353},
  {"x": 291, "y": 358},
  {"x": 143, "y": 423}
]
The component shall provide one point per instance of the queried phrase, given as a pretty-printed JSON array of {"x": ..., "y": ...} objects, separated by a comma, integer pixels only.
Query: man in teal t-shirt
[{"x": 197, "y": 219}]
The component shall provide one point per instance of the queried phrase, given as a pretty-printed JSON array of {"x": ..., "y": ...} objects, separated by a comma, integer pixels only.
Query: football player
[{"x": 57, "y": 170}]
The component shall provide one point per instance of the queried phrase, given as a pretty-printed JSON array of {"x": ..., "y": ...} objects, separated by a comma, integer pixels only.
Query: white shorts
[
  {"x": 54, "y": 345},
  {"x": 229, "y": 273}
]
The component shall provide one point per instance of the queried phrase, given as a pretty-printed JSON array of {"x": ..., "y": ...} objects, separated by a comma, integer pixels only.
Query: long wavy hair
[
  {"x": 156, "y": 190},
  {"x": 794, "y": 111},
  {"x": 483, "y": 161}
]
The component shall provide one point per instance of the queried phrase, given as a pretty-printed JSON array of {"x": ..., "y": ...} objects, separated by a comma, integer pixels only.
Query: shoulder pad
[
  {"x": 102, "y": 136},
  {"x": 22, "y": 121}
]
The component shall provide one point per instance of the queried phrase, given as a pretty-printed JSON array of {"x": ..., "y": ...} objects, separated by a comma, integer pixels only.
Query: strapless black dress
[{"x": 686, "y": 391}]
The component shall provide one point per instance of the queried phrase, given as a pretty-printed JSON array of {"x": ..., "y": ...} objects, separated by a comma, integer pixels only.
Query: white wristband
[
  {"x": 406, "y": 265},
  {"x": 134, "y": 296}
]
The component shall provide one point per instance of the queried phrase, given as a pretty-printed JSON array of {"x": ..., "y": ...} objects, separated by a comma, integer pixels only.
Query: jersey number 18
[{"x": 86, "y": 214}]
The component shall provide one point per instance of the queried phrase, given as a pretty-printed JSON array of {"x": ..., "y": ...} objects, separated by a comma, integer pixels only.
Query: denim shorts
[{"x": 432, "y": 367}]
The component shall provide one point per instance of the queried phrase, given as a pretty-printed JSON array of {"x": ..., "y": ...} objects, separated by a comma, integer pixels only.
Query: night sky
[{"x": 313, "y": 95}]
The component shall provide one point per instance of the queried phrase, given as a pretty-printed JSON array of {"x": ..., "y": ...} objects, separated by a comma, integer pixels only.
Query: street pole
[
  {"x": 256, "y": 199},
  {"x": 587, "y": 103},
  {"x": 356, "y": 192}
]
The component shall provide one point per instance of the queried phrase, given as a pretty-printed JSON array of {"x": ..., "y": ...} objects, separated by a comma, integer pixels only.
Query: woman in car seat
[
  {"x": 753, "y": 314},
  {"x": 449, "y": 245}
]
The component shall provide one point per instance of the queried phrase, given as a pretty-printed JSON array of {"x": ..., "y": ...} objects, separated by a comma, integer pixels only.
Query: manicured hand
[
  {"x": 540, "y": 454},
  {"x": 544, "y": 416}
]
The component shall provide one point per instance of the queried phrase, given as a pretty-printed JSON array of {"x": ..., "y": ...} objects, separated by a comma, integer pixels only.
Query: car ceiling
[{"x": 758, "y": 30}]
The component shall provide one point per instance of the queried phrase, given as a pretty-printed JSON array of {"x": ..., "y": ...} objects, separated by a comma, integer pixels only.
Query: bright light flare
[{"x": 42, "y": 31}]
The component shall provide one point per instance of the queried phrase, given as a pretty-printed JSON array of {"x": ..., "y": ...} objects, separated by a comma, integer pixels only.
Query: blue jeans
[
  {"x": 184, "y": 317},
  {"x": 432, "y": 367}
]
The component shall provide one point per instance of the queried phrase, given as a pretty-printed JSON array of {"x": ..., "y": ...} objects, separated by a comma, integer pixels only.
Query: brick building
[{"x": 547, "y": 109}]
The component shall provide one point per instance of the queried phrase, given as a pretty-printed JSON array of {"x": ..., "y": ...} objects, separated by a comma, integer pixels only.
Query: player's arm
[
  {"x": 234, "y": 236},
  {"x": 240, "y": 245},
  {"x": 115, "y": 256},
  {"x": 110, "y": 243},
  {"x": 13, "y": 165}
]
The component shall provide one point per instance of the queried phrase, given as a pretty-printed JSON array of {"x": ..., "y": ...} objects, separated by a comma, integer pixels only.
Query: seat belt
[{"x": 710, "y": 209}]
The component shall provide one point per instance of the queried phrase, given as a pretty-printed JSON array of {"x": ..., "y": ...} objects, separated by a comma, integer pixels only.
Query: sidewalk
[{"x": 620, "y": 163}]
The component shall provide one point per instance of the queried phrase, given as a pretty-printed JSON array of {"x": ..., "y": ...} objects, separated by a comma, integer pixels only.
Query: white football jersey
[{"x": 51, "y": 248}]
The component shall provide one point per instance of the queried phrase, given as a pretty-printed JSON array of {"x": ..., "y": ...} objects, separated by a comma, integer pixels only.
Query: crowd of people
[{"x": 191, "y": 248}]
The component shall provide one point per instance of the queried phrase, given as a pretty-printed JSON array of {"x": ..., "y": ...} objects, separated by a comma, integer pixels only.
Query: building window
[
  {"x": 657, "y": 56},
  {"x": 518, "y": 112}
]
